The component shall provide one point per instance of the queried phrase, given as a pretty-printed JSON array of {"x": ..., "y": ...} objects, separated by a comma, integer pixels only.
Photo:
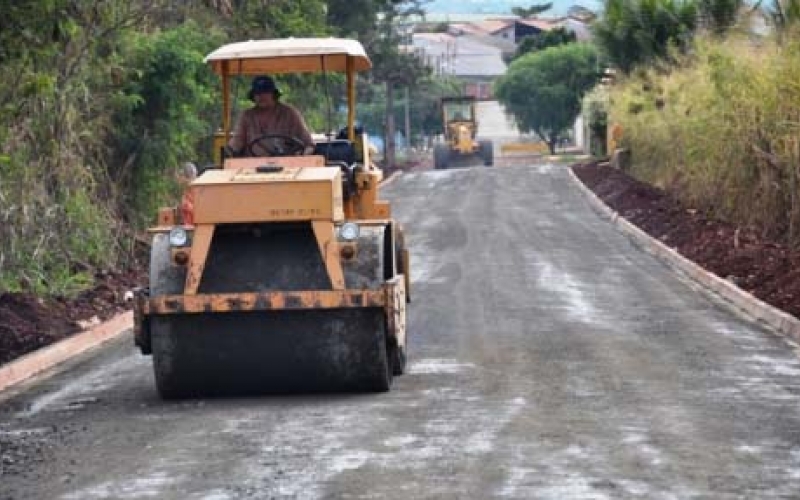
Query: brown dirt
[
  {"x": 767, "y": 269},
  {"x": 28, "y": 322},
  {"x": 764, "y": 268}
]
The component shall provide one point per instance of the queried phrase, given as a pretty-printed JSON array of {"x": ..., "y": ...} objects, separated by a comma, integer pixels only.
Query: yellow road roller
[{"x": 286, "y": 272}]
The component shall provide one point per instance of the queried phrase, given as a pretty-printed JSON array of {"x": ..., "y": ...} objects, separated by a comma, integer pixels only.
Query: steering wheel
[{"x": 276, "y": 145}]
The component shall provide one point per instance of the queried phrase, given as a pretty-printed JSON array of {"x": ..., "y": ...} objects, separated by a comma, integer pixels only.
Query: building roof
[
  {"x": 540, "y": 23},
  {"x": 482, "y": 28},
  {"x": 460, "y": 56},
  {"x": 492, "y": 26}
]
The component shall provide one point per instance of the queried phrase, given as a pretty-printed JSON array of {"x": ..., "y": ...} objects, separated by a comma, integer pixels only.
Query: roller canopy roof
[{"x": 288, "y": 55}]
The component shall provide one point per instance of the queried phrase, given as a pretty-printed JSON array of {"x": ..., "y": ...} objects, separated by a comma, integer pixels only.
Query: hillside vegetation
[
  {"x": 721, "y": 130},
  {"x": 709, "y": 105},
  {"x": 102, "y": 102}
]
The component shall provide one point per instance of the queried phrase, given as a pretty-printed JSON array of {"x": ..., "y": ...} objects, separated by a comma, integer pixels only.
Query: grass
[{"x": 721, "y": 131}]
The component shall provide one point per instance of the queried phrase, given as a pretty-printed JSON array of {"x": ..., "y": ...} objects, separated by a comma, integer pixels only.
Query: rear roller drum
[
  {"x": 268, "y": 351},
  {"x": 275, "y": 352}
]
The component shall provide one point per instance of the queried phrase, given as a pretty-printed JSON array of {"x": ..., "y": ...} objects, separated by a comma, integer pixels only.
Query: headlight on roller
[
  {"x": 349, "y": 231},
  {"x": 178, "y": 237}
]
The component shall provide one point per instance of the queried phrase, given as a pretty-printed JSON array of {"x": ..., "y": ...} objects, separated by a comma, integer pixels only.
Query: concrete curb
[
  {"x": 386, "y": 181},
  {"x": 41, "y": 360},
  {"x": 742, "y": 301}
]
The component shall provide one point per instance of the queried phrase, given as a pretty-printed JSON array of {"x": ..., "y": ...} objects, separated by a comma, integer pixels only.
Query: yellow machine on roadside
[
  {"x": 292, "y": 275},
  {"x": 461, "y": 148}
]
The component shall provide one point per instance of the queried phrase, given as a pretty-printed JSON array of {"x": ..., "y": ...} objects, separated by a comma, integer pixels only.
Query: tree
[
  {"x": 279, "y": 19},
  {"x": 424, "y": 106},
  {"x": 543, "y": 90},
  {"x": 719, "y": 15},
  {"x": 543, "y": 40},
  {"x": 635, "y": 32},
  {"x": 354, "y": 18},
  {"x": 394, "y": 64},
  {"x": 581, "y": 13},
  {"x": 378, "y": 24},
  {"x": 531, "y": 11},
  {"x": 152, "y": 130}
]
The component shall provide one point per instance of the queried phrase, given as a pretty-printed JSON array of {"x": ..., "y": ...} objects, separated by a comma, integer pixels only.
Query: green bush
[{"x": 165, "y": 113}]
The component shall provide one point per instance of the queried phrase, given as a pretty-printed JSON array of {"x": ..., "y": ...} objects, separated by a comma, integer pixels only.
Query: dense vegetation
[
  {"x": 102, "y": 102},
  {"x": 717, "y": 121},
  {"x": 721, "y": 131}
]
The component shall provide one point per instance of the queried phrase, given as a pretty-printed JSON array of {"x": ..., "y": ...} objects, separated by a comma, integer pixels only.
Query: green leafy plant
[
  {"x": 634, "y": 33},
  {"x": 543, "y": 40},
  {"x": 543, "y": 90}
]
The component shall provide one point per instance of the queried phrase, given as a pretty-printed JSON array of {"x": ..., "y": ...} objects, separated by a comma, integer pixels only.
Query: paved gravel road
[{"x": 550, "y": 359}]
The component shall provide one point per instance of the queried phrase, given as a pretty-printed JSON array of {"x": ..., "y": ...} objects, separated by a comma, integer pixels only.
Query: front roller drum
[{"x": 271, "y": 352}]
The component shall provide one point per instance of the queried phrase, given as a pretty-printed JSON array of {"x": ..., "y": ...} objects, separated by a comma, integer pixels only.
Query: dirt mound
[
  {"x": 28, "y": 322},
  {"x": 767, "y": 269}
]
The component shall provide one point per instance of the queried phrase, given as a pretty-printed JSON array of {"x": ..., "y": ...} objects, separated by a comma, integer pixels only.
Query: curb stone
[
  {"x": 743, "y": 302},
  {"x": 391, "y": 178},
  {"x": 41, "y": 360}
]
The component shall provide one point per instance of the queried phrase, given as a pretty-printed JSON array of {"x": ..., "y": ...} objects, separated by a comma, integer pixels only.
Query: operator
[{"x": 266, "y": 118}]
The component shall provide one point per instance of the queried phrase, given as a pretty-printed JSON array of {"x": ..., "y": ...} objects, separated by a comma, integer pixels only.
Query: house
[
  {"x": 469, "y": 58},
  {"x": 533, "y": 26}
]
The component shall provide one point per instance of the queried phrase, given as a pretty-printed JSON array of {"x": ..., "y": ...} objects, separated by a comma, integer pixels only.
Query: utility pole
[
  {"x": 408, "y": 121},
  {"x": 389, "y": 145}
]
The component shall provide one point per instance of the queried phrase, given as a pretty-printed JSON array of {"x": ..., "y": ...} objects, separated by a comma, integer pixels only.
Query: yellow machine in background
[
  {"x": 461, "y": 147},
  {"x": 287, "y": 273}
]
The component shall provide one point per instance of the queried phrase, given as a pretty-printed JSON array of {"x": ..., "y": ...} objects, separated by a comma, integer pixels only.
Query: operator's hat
[{"x": 262, "y": 84}]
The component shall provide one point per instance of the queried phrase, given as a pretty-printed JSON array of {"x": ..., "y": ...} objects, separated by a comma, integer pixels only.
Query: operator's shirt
[{"x": 283, "y": 119}]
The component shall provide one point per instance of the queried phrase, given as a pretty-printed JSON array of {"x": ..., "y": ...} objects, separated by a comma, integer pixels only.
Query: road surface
[{"x": 550, "y": 359}]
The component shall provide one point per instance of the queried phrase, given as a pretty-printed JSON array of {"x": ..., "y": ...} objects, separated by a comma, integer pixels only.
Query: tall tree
[
  {"x": 533, "y": 10},
  {"x": 543, "y": 90},
  {"x": 718, "y": 16},
  {"x": 279, "y": 19},
  {"x": 395, "y": 64},
  {"x": 354, "y": 18},
  {"x": 636, "y": 32},
  {"x": 424, "y": 98},
  {"x": 543, "y": 40},
  {"x": 152, "y": 130}
]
